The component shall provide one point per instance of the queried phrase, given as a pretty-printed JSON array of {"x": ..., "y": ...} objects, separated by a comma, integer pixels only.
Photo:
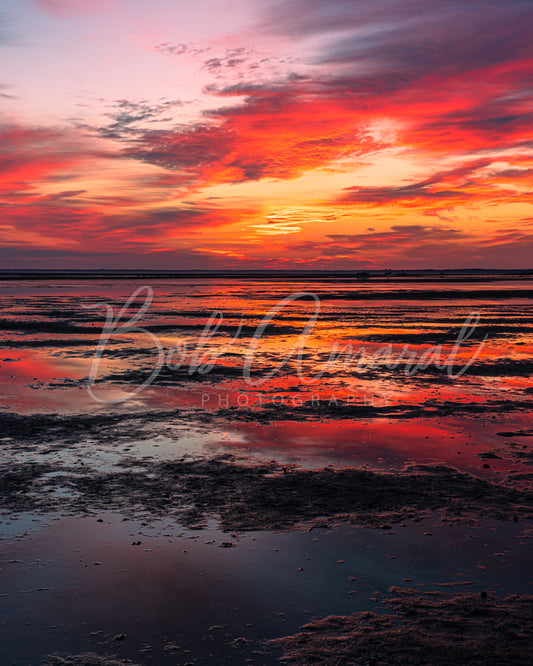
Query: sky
[{"x": 248, "y": 134}]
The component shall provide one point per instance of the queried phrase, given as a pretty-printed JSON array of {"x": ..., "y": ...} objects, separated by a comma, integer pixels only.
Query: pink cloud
[{"x": 63, "y": 8}]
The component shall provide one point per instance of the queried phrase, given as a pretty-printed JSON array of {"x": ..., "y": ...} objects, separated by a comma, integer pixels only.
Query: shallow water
[
  {"x": 74, "y": 584},
  {"x": 373, "y": 417}
]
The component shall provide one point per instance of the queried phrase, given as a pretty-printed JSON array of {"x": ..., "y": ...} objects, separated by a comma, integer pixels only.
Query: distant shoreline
[{"x": 407, "y": 275}]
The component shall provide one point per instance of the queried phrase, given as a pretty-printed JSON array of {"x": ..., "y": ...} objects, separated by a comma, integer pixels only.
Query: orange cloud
[{"x": 445, "y": 85}]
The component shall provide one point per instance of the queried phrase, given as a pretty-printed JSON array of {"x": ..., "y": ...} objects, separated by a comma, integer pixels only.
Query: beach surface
[{"x": 241, "y": 471}]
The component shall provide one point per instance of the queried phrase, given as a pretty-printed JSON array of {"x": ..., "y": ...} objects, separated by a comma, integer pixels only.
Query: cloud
[
  {"x": 452, "y": 77},
  {"x": 169, "y": 49},
  {"x": 230, "y": 63},
  {"x": 4, "y": 87},
  {"x": 128, "y": 113},
  {"x": 290, "y": 220},
  {"x": 240, "y": 62},
  {"x": 453, "y": 81},
  {"x": 104, "y": 258},
  {"x": 29, "y": 155},
  {"x": 421, "y": 247},
  {"x": 435, "y": 187},
  {"x": 65, "y": 8},
  {"x": 64, "y": 222},
  {"x": 399, "y": 233},
  {"x": 279, "y": 131},
  {"x": 36, "y": 213}
]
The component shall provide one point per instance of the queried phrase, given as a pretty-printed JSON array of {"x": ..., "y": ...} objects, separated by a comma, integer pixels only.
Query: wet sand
[
  {"x": 207, "y": 521},
  {"x": 473, "y": 629}
]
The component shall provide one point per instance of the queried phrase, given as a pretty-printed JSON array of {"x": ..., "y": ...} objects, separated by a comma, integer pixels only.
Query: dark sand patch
[
  {"x": 502, "y": 367},
  {"x": 54, "y": 326},
  {"x": 17, "y": 483},
  {"x": 449, "y": 336},
  {"x": 88, "y": 659},
  {"x": 472, "y": 629},
  {"x": 33, "y": 431},
  {"x": 67, "y": 326},
  {"x": 428, "y": 295},
  {"x": 332, "y": 408},
  {"x": 516, "y": 433},
  {"x": 23, "y": 342},
  {"x": 171, "y": 377},
  {"x": 265, "y": 496}
]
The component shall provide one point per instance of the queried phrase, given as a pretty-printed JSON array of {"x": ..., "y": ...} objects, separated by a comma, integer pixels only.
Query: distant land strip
[{"x": 450, "y": 275}]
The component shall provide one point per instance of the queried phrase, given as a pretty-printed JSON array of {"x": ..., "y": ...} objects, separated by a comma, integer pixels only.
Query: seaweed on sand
[
  {"x": 262, "y": 496},
  {"x": 428, "y": 628},
  {"x": 88, "y": 659}
]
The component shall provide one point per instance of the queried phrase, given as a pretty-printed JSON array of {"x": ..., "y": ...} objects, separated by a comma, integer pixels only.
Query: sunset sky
[{"x": 181, "y": 134}]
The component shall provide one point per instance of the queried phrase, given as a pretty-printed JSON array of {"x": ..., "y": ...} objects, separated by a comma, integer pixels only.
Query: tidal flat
[{"x": 159, "y": 504}]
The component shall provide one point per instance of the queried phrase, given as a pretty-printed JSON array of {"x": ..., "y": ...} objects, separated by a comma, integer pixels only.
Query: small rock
[{"x": 119, "y": 637}]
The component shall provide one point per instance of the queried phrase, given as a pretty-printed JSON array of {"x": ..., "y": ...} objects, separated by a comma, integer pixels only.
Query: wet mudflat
[{"x": 204, "y": 516}]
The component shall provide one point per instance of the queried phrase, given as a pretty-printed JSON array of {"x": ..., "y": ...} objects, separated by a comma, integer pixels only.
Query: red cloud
[
  {"x": 452, "y": 77},
  {"x": 30, "y": 154},
  {"x": 283, "y": 129},
  {"x": 456, "y": 186},
  {"x": 454, "y": 81},
  {"x": 34, "y": 160}
]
